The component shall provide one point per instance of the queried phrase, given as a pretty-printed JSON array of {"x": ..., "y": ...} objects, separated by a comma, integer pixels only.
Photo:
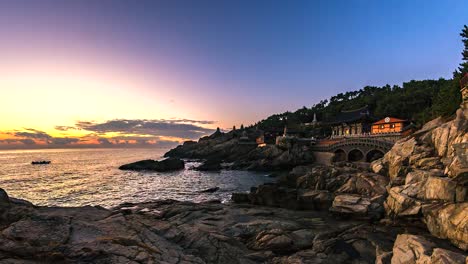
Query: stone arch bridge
[{"x": 356, "y": 149}]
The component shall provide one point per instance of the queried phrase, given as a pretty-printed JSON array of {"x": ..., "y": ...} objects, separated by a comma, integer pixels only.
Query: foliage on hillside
[{"x": 418, "y": 101}]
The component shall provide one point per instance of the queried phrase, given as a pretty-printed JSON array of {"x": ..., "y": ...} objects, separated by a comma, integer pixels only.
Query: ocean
[{"x": 78, "y": 177}]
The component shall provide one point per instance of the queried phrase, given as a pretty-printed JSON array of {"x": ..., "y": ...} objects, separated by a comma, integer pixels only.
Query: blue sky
[{"x": 229, "y": 62}]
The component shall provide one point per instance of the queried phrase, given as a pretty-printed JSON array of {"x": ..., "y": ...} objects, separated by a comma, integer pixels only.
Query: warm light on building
[{"x": 388, "y": 125}]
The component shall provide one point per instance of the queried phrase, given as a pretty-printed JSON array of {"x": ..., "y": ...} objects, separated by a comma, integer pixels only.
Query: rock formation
[
  {"x": 184, "y": 232},
  {"x": 170, "y": 164},
  {"x": 429, "y": 178}
]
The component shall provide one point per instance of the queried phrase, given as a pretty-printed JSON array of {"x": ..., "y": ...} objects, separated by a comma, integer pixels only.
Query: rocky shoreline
[
  {"x": 411, "y": 206},
  {"x": 184, "y": 232}
]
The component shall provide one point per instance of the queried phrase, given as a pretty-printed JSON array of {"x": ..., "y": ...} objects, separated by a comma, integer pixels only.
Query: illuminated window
[
  {"x": 392, "y": 125},
  {"x": 382, "y": 126}
]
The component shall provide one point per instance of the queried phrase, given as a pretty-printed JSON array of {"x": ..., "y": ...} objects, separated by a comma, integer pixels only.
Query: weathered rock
[
  {"x": 413, "y": 249},
  {"x": 347, "y": 204},
  {"x": 377, "y": 166},
  {"x": 444, "y": 256},
  {"x": 210, "y": 190},
  {"x": 448, "y": 221},
  {"x": 210, "y": 165},
  {"x": 276, "y": 196},
  {"x": 4, "y": 199},
  {"x": 367, "y": 184},
  {"x": 316, "y": 200},
  {"x": 169, "y": 164},
  {"x": 240, "y": 198},
  {"x": 417, "y": 176},
  {"x": 438, "y": 188},
  {"x": 397, "y": 159},
  {"x": 402, "y": 202}
]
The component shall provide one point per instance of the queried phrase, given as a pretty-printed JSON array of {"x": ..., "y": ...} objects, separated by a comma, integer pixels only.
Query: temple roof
[
  {"x": 389, "y": 120},
  {"x": 352, "y": 115}
]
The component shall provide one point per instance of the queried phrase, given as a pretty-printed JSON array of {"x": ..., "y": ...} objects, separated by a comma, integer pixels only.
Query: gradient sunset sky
[{"x": 107, "y": 73}]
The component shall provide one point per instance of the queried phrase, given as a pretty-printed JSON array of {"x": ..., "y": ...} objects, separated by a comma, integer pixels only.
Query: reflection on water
[{"x": 90, "y": 177}]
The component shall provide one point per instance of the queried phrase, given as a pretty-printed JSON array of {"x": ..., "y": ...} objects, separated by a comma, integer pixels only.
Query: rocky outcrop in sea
[{"x": 228, "y": 148}]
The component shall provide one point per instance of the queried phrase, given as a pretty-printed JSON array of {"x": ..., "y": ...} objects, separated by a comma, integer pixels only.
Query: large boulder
[
  {"x": 4, "y": 199},
  {"x": 414, "y": 249},
  {"x": 275, "y": 196},
  {"x": 378, "y": 166},
  {"x": 239, "y": 197},
  {"x": 352, "y": 205},
  {"x": 448, "y": 221},
  {"x": 402, "y": 201},
  {"x": 397, "y": 159},
  {"x": 281, "y": 241},
  {"x": 169, "y": 164},
  {"x": 210, "y": 165},
  {"x": 316, "y": 199},
  {"x": 368, "y": 184},
  {"x": 439, "y": 188}
]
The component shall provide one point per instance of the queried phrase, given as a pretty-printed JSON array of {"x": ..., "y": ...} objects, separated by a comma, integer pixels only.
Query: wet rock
[
  {"x": 276, "y": 196},
  {"x": 4, "y": 199},
  {"x": 316, "y": 199},
  {"x": 210, "y": 190},
  {"x": 169, "y": 164},
  {"x": 240, "y": 198},
  {"x": 210, "y": 165}
]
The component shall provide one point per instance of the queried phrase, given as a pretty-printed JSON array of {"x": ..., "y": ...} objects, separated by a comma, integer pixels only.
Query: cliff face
[{"x": 429, "y": 178}]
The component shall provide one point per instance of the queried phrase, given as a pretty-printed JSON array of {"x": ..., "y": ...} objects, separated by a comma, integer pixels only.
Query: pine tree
[{"x": 463, "y": 69}]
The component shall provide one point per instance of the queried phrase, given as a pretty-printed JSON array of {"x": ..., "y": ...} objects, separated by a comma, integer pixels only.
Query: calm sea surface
[{"x": 91, "y": 177}]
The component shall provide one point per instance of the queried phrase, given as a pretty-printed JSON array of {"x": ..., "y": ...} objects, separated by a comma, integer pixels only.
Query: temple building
[
  {"x": 352, "y": 122},
  {"x": 389, "y": 125}
]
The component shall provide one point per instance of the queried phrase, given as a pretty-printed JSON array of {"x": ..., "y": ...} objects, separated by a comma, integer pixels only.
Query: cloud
[
  {"x": 65, "y": 128},
  {"x": 63, "y": 140},
  {"x": 32, "y": 134},
  {"x": 182, "y": 128},
  {"x": 162, "y": 133},
  {"x": 104, "y": 141},
  {"x": 27, "y": 141}
]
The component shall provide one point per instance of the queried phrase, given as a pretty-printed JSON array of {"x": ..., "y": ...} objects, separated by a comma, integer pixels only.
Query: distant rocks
[
  {"x": 169, "y": 164},
  {"x": 210, "y": 165},
  {"x": 229, "y": 148},
  {"x": 210, "y": 190}
]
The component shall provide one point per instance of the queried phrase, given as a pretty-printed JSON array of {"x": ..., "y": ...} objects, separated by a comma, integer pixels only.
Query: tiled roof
[
  {"x": 390, "y": 120},
  {"x": 352, "y": 115}
]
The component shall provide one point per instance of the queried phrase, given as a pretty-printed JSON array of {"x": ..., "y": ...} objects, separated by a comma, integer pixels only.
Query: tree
[{"x": 463, "y": 68}]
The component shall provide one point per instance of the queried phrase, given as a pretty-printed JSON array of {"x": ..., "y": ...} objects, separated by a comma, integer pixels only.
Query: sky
[{"x": 155, "y": 73}]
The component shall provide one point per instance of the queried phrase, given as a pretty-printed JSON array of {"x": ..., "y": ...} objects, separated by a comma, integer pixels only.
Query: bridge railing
[{"x": 386, "y": 145}]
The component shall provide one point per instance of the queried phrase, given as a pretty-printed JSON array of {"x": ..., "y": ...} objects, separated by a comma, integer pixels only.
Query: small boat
[{"x": 41, "y": 162}]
